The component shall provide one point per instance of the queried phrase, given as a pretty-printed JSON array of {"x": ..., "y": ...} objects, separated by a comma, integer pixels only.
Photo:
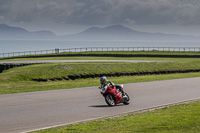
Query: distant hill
[
  {"x": 115, "y": 29},
  {"x": 8, "y": 32},
  {"x": 119, "y": 32}
]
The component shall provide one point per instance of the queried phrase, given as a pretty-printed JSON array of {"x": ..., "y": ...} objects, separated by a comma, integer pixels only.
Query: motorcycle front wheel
[{"x": 110, "y": 100}]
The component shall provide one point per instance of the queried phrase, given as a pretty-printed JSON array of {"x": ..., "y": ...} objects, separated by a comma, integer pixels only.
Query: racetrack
[{"x": 36, "y": 110}]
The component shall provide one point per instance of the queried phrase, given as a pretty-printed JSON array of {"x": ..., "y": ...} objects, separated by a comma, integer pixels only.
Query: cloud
[{"x": 101, "y": 12}]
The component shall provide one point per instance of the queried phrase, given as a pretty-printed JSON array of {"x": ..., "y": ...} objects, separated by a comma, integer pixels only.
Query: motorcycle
[{"x": 113, "y": 95}]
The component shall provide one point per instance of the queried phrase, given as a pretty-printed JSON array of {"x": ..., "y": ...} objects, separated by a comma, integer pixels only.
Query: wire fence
[{"x": 90, "y": 49}]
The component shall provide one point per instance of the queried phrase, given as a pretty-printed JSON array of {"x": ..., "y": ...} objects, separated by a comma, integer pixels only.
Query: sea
[{"x": 7, "y": 46}]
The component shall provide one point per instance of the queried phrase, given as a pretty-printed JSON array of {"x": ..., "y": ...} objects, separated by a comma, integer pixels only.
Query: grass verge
[
  {"x": 18, "y": 80},
  {"x": 59, "y": 70},
  {"x": 182, "y": 118},
  {"x": 10, "y": 87}
]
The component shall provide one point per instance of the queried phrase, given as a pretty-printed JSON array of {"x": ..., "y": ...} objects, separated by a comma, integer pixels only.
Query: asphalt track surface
[
  {"x": 37, "y": 110},
  {"x": 65, "y": 61}
]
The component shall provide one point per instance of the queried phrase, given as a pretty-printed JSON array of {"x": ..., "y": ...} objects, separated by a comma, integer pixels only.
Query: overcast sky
[{"x": 71, "y": 16}]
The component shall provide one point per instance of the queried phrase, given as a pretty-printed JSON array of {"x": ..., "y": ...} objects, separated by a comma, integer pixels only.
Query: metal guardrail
[{"x": 89, "y": 49}]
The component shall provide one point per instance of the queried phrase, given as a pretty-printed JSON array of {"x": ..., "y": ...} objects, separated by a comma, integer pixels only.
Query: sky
[{"x": 72, "y": 16}]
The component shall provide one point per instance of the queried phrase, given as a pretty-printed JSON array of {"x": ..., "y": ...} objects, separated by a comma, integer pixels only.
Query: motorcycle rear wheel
[
  {"x": 110, "y": 100},
  {"x": 126, "y": 101}
]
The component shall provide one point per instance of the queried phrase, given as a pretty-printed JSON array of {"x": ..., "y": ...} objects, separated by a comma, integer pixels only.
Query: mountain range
[
  {"x": 8, "y": 32},
  {"x": 114, "y": 32}
]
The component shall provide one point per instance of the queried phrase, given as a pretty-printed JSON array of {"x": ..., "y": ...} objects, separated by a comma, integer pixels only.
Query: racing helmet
[{"x": 103, "y": 80}]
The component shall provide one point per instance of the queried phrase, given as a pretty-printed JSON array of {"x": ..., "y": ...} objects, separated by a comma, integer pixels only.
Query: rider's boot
[{"x": 123, "y": 95}]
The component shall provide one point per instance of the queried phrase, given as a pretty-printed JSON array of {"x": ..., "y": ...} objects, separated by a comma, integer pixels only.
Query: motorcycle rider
[{"x": 104, "y": 82}]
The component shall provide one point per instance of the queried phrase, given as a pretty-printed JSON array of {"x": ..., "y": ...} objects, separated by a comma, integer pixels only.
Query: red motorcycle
[{"x": 113, "y": 95}]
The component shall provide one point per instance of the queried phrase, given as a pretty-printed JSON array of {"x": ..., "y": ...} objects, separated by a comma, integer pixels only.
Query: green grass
[
  {"x": 182, "y": 118},
  {"x": 17, "y": 80},
  {"x": 58, "y": 70}
]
